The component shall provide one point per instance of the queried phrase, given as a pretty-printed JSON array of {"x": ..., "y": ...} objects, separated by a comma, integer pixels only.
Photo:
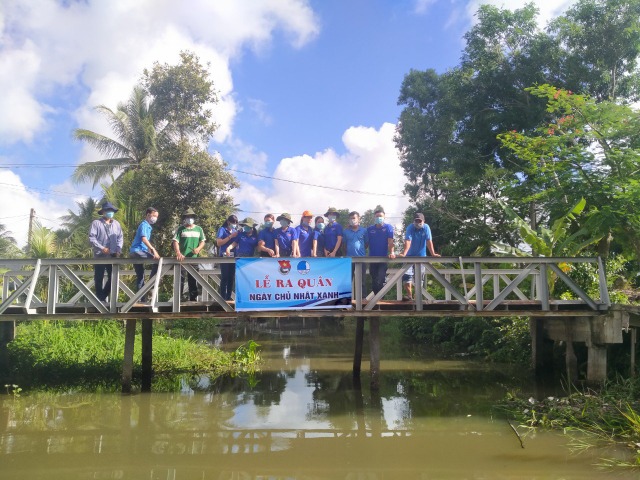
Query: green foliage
[
  {"x": 499, "y": 340},
  {"x": 53, "y": 353}
]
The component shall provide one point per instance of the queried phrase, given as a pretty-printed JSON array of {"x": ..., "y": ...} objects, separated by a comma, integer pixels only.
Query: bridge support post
[
  {"x": 127, "y": 363},
  {"x": 147, "y": 354},
  {"x": 632, "y": 353},
  {"x": 374, "y": 352},
  {"x": 357, "y": 355},
  {"x": 571, "y": 361},
  {"x": 536, "y": 329},
  {"x": 7, "y": 334},
  {"x": 597, "y": 363}
]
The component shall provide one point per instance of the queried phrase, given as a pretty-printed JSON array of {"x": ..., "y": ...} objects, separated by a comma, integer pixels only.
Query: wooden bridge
[{"x": 452, "y": 286}]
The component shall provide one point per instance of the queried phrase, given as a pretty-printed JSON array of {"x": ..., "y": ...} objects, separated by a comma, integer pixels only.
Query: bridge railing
[{"x": 472, "y": 283}]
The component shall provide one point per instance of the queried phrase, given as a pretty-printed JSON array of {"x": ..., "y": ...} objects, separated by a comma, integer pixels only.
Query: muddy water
[{"x": 302, "y": 417}]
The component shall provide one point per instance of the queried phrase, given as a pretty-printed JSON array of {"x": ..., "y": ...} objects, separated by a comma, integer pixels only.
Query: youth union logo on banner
[
  {"x": 277, "y": 284},
  {"x": 303, "y": 267}
]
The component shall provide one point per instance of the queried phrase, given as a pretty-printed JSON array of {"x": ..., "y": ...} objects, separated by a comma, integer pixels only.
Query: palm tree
[
  {"x": 81, "y": 221},
  {"x": 135, "y": 140},
  {"x": 8, "y": 245},
  {"x": 43, "y": 242}
]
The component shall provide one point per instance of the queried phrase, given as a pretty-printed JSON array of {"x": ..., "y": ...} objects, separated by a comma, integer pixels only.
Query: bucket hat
[
  {"x": 189, "y": 213},
  {"x": 249, "y": 222},
  {"x": 107, "y": 206},
  {"x": 284, "y": 216},
  {"x": 332, "y": 210}
]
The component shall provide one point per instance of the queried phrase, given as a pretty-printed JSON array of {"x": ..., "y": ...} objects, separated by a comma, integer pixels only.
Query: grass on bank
[
  {"x": 591, "y": 418},
  {"x": 53, "y": 353}
]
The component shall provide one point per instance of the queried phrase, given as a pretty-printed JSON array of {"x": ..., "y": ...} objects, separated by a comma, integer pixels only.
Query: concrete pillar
[
  {"x": 374, "y": 352},
  {"x": 597, "y": 363},
  {"x": 571, "y": 361},
  {"x": 127, "y": 363},
  {"x": 7, "y": 334}
]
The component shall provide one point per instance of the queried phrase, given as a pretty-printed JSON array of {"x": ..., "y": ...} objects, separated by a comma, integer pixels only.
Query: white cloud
[
  {"x": 16, "y": 202},
  {"x": 244, "y": 156},
  {"x": 422, "y": 6},
  {"x": 46, "y": 45},
  {"x": 370, "y": 164}
]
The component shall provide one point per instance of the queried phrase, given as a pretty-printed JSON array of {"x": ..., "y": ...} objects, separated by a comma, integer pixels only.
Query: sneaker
[{"x": 407, "y": 298}]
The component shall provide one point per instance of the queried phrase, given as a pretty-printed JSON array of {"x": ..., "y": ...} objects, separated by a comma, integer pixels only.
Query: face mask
[
  {"x": 418, "y": 225},
  {"x": 268, "y": 224},
  {"x": 189, "y": 221},
  {"x": 234, "y": 226},
  {"x": 153, "y": 220},
  {"x": 306, "y": 223},
  {"x": 320, "y": 226},
  {"x": 246, "y": 229},
  {"x": 109, "y": 214},
  {"x": 379, "y": 220},
  {"x": 284, "y": 223},
  {"x": 353, "y": 222},
  {"x": 332, "y": 218}
]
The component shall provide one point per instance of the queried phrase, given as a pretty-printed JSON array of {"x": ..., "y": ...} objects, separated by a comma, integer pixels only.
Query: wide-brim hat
[
  {"x": 332, "y": 210},
  {"x": 284, "y": 216},
  {"x": 107, "y": 206},
  {"x": 249, "y": 222},
  {"x": 189, "y": 213}
]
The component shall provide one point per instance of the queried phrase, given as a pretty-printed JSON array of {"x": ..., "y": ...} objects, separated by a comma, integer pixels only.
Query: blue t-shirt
[
  {"x": 318, "y": 236},
  {"x": 246, "y": 244},
  {"x": 268, "y": 236},
  {"x": 305, "y": 240},
  {"x": 331, "y": 234},
  {"x": 285, "y": 239},
  {"x": 144, "y": 230},
  {"x": 356, "y": 241},
  {"x": 224, "y": 233},
  {"x": 379, "y": 239},
  {"x": 418, "y": 238}
]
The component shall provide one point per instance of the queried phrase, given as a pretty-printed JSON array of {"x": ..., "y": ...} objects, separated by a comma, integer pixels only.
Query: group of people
[{"x": 326, "y": 238}]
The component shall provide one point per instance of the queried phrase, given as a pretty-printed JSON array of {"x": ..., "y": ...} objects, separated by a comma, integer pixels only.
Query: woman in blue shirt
[
  {"x": 224, "y": 239},
  {"x": 267, "y": 237},
  {"x": 247, "y": 240},
  {"x": 305, "y": 234},
  {"x": 318, "y": 237},
  {"x": 286, "y": 237}
]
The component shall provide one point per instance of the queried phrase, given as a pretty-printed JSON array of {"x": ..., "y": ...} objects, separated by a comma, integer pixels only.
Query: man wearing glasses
[{"x": 417, "y": 241}]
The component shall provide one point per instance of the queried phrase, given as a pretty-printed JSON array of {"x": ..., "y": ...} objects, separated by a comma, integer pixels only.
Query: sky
[{"x": 308, "y": 92}]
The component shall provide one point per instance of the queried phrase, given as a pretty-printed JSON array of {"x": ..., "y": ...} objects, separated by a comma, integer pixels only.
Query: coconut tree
[
  {"x": 8, "y": 246},
  {"x": 134, "y": 142}
]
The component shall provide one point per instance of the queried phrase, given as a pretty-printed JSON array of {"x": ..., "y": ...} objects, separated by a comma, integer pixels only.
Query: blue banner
[{"x": 292, "y": 283}]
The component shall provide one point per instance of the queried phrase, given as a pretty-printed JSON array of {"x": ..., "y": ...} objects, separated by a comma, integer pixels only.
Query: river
[{"x": 301, "y": 417}]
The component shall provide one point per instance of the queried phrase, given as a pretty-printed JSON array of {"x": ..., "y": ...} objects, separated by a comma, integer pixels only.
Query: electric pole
[{"x": 32, "y": 215}]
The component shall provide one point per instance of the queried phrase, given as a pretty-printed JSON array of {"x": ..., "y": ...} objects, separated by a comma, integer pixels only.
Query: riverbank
[{"x": 89, "y": 355}]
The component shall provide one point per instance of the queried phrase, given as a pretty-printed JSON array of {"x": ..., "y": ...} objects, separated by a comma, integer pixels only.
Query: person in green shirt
[{"x": 188, "y": 243}]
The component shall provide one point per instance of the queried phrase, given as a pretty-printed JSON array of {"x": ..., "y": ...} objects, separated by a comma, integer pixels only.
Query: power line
[{"x": 269, "y": 177}]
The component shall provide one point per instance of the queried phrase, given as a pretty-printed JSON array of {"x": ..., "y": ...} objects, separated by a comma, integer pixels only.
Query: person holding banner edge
[
  {"x": 247, "y": 240},
  {"x": 286, "y": 237}
]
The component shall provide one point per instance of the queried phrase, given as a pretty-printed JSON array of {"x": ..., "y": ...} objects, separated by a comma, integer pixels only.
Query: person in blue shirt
[
  {"x": 380, "y": 236},
  {"x": 224, "y": 239},
  {"x": 267, "y": 237},
  {"x": 142, "y": 248},
  {"x": 356, "y": 240},
  {"x": 417, "y": 240},
  {"x": 318, "y": 237},
  {"x": 247, "y": 240},
  {"x": 306, "y": 234},
  {"x": 286, "y": 237},
  {"x": 332, "y": 233}
]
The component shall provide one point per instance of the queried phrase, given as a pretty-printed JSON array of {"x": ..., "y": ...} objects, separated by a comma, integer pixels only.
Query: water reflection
[{"x": 305, "y": 418}]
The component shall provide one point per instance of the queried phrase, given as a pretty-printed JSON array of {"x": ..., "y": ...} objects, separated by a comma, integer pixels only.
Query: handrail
[{"x": 36, "y": 285}]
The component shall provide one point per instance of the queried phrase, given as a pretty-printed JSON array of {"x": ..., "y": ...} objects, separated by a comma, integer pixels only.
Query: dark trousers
[
  {"x": 139, "y": 267},
  {"x": 227, "y": 276},
  {"x": 103, "y": 289},
  {"x": 192, "y": 284},
  {"x": 378, "y": 273}
]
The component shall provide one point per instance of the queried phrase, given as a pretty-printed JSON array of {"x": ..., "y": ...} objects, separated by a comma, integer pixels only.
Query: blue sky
[{"x": 308, "y": 91}]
